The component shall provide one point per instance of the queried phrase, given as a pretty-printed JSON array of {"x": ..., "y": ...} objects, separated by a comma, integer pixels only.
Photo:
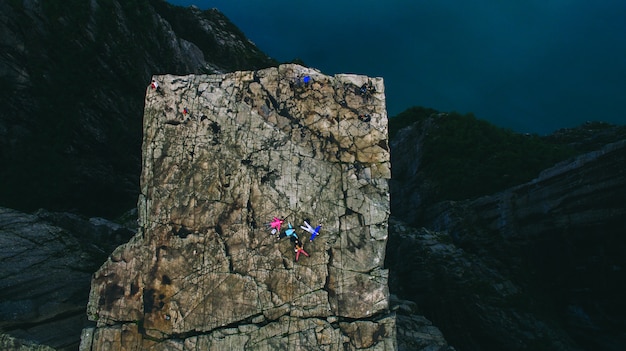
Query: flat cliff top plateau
[{"x": 222, "y": 156}]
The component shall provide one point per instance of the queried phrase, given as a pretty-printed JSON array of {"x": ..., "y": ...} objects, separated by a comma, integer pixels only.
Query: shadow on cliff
[
  {"x": 72, "y": 93},
  {"x": 536, "y": 266}
]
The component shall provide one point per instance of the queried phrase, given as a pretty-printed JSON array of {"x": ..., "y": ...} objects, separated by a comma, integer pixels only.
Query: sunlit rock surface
[{"x": 222, "y": 155}]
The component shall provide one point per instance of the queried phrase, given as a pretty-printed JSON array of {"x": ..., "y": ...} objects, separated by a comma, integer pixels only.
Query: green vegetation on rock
[{"x": 467, "y": 157}]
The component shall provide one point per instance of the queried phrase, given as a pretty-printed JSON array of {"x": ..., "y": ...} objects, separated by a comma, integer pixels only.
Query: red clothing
[{"x": 299, "y": 249}]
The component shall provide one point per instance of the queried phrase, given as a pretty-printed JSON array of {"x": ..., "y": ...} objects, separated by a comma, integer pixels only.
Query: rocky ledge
[
  {"x": 46, "y": 261},
  {"x": 222, "y": 156}
]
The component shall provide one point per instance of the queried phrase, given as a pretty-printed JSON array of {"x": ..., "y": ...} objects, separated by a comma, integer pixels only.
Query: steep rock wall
[
  {"x": 560, "y": 238},
  {"x": 222, "y": 155}
]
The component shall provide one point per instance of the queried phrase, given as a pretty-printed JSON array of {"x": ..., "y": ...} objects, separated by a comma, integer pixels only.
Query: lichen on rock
[{"x": 223, "y": 155}]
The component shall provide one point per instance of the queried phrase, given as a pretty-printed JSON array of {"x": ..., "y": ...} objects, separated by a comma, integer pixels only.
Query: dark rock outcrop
[
  {"x": 415, "y": 332},
  {"x": 471, "y": 298},
  {"x": 548, "y": 253},
  {"x": 411, "y": 191},
  {"x": 8, "y": 343},
  {"x": 47, "y": 260},
  {"x": 582, "y": 194},
  {"x": 72, "y": 79},
  {"x": 561, "y": 234}
]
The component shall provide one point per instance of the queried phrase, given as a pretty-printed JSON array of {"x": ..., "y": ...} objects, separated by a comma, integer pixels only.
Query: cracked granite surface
[{"x": 222, "y": 155}]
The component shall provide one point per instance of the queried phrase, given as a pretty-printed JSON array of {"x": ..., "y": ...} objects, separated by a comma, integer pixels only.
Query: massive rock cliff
[{"x": 223, "y": 155}]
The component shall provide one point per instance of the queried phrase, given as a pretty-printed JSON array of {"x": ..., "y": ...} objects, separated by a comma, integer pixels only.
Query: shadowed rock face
[
  {"x": 562, "y": 233},
  {"x": 537, "y": 266},
  {"x": 46, "y": 262},
  {"x": 222, "y": 155}
]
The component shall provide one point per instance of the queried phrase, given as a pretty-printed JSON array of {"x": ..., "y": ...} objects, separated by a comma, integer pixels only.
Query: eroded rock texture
[
  {"x": 222, "y": 155},
  {"x": 46, "y": 261}
]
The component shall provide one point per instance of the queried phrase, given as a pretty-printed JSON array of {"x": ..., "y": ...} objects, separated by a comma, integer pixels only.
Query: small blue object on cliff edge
[{"x": 306, "y": 79}]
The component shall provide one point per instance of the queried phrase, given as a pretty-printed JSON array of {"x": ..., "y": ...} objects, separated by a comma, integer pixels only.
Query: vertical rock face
[{"x": 223, "y": 155}]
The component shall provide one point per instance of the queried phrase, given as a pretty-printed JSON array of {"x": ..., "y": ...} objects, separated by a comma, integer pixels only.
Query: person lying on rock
[
  {"x": 290, "y": 232},
  {"x": 367, "y": 89},
  {"x": 310, "y": 229},
  {"x": 275, "y": 224},
  {"x": 155, "y": 86},
  {"x": 299, "y": 249}
]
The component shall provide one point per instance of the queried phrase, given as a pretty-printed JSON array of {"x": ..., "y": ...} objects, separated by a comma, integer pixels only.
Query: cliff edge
[{"x": 223, "y": 155}]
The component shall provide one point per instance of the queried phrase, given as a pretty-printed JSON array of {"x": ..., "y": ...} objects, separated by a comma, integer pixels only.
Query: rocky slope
[
  {"x": 44, "y": 300},
  {"x": 47, "y": 260},
  {"x": 472, "y": 298},
  {"x": 72, "y": 79},
  {"x": 541, "y": 263},
  {"x": 223, "y": 154}
]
